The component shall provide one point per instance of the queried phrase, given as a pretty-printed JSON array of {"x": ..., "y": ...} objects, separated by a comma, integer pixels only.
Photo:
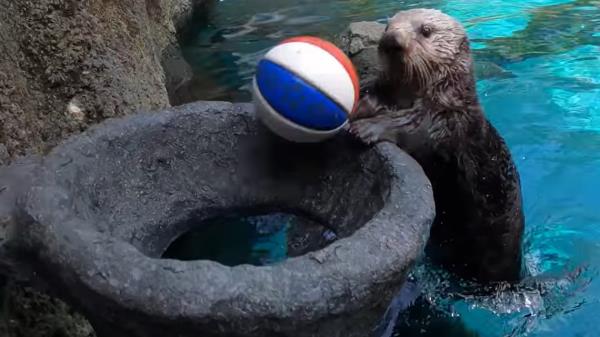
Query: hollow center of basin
[{"x": 257, "y": 239}]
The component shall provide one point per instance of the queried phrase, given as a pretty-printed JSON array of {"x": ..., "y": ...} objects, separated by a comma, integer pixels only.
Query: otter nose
[
  {"x": 388, "y": 42},
  {"x": 394, "y": 41}
]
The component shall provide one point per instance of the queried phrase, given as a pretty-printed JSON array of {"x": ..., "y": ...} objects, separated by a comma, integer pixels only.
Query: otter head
[{"x": 424, "y": 47}]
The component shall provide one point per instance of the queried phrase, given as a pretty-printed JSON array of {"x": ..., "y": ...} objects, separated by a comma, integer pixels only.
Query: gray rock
[
  {"x": 4, "y": 155},
  {"x": 92, "y": 219},
  {"x": 106, "y": 56},
  {"x": 41, "y": 316},
  {"x": 184, "y": 10},
  {"x": 180, "y": 73},
  {"x": 359, "y": 42},
  {"x": 66, "y": 65},
  {"x": 361, "y": 35},
  {"x": 486, "y": 70}
]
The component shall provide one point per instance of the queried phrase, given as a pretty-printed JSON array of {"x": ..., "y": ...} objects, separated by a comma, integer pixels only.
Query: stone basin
[{"x": 91, "y": 219}]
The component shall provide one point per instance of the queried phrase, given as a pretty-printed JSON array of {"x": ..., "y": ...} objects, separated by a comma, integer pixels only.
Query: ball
[{"x": 304, "y": 89}]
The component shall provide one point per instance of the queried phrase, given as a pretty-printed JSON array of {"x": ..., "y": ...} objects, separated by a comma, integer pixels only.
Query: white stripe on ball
[{"x": 317, "y": 67}]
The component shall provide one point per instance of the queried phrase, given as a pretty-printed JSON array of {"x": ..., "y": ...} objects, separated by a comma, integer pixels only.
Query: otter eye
[{"x": 426, "y": 30}]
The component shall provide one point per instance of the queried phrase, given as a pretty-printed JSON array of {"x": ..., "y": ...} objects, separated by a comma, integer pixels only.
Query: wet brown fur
[{"x": 426, "y": 102}]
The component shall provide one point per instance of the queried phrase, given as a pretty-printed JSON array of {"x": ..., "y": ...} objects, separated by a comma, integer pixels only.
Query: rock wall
[
  {"x": 66, "y": 65},
  {"x": 359, "y": 41}
]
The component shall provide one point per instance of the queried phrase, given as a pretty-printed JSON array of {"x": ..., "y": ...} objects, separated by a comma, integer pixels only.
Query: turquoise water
[
  {"x": 259, "y": 240},
  {"x": 256, "y": 240},
  {"x": 548, "y": 110}
]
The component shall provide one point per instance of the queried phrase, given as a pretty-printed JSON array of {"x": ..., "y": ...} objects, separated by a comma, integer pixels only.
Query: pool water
[
  {"x": 259, "y": 240},
  {"x": 548, "y": 111}
]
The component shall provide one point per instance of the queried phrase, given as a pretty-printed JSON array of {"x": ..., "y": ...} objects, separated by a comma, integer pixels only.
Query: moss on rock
[{"x": 32, "y": 314}]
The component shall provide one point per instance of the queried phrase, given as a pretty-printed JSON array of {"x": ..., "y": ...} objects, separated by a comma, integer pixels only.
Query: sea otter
[{"x": 425, "y": 101}]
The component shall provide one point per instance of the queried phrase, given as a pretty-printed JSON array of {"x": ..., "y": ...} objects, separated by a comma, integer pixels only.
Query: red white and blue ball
[{"x": 304, "y": 89}]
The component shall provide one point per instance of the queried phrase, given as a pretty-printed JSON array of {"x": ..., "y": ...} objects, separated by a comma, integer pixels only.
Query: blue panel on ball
[{"x": 296, "y": 99}]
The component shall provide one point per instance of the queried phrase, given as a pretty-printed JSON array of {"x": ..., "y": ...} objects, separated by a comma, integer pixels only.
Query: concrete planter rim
[{"x": 340, "y": 275}]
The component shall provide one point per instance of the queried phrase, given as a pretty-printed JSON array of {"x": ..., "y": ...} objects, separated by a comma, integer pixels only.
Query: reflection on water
[
  {"x": 226, "y": 48},
  {"x": 467, "y": 309},
  {"x": 543, "y": 97},
  {"x": 257, "y": 240}
]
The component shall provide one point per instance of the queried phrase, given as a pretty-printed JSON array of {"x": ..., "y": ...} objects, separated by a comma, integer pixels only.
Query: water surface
[
  {"x": 548, "y": 110},
  {"x": 258, "y": 240}
]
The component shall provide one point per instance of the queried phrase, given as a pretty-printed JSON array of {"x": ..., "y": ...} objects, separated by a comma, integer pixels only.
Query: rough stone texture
[
  {"x": 359, "y": 42},
  {"x": 44, "y": 323},
  {"x": 185, "y": 10},
  {"x": 91, "y": 219},
  {"x": 67, "y": 64},
  {"x": 4, "y": 156},
  {"x": 180, "y": 73}
]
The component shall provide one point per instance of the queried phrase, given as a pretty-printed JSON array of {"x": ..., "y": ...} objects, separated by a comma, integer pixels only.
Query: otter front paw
[
  {"x": 366, "y": 107},
  {"x": 368, "y": 131}
]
